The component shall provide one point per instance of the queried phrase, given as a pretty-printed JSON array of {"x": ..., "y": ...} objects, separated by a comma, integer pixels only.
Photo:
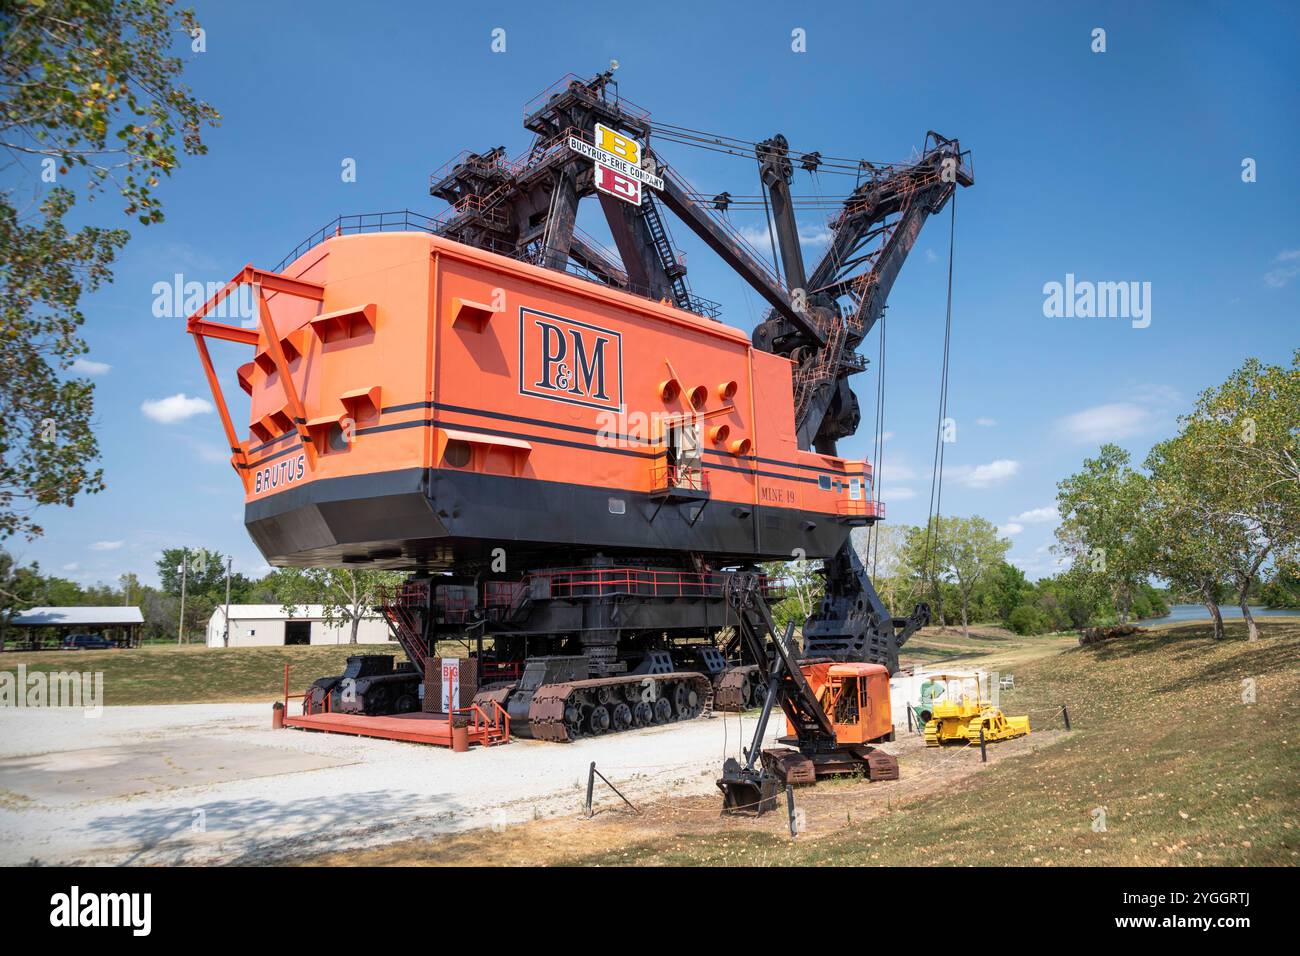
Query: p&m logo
[{"x": 569, "y": 361}]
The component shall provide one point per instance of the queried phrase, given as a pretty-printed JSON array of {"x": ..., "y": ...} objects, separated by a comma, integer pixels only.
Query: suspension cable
[
  {"x": 874, "y": 541},
  {"x": 771, "y": 234},
  {"x": 721, "y": 142},
  {"x": 936, "y": 475}
]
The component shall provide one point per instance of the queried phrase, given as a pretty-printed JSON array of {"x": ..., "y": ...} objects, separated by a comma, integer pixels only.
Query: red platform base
[{"x": 413, "y": 728}]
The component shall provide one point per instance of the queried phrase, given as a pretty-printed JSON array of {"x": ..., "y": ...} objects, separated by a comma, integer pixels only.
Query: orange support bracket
[
  {"x": 291, "y": 396},
  {"x": 202, "y": 329},
  {"x": 238, "y": 453}
]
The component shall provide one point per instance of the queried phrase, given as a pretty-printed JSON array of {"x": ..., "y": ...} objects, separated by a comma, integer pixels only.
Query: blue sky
[{"x": 1116, "y": 166}]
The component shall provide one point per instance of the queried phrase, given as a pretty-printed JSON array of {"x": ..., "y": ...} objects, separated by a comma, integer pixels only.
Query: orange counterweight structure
[{"x": 414, "y": 400}]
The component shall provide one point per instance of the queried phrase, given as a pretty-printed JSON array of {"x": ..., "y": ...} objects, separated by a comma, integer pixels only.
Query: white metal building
[
  {"x": 266, "y": 625},
  {"x": 40, "y": 625}
]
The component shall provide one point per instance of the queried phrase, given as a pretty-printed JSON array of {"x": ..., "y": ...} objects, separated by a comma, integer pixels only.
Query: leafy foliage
[
  {"x": 961, "y": 552},
  {"x": 347, "y": 594},
  {"x": 91, "y": 95},
  {"x": 1098, "y": 508}
]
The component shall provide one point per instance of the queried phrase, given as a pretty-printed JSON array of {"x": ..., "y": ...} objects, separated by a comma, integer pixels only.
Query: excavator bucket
[{"x": 746, "y": 790}]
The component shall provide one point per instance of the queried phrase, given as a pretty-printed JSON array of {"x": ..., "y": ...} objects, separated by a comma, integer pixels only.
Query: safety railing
[
  {"x": 637, "y": 582},
  {"x": 403, "y": 606},
  {"x": 403, "y": 220},
  {"x": 482, "y": 727},
  {"x": 669, "y": 477},
  {"x": 288, "y": 696},
  {"x": 860, "y": 508},
  {"x": 572, "y": 83}
]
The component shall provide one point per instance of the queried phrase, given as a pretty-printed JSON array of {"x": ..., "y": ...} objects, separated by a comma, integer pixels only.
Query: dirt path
[{"x": 825, "y": 809}]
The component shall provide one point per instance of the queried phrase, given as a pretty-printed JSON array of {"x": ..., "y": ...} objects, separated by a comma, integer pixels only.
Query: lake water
[{"x": 1230, "y": 612}]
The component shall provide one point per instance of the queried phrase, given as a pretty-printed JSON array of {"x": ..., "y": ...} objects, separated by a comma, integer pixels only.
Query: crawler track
[
  {"x": 587, "y": 708},
  {"x": 738, "y": 689}
]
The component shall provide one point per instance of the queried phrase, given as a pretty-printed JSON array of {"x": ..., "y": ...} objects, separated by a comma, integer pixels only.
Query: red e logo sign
[{"x": 616, "y": 184}]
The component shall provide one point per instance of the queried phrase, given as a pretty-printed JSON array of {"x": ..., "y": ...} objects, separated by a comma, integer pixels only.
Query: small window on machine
[
  {"x": 457, "y": 453},
  {"x": 824, "y": 482},
  {"x": 617, "y": 506}
]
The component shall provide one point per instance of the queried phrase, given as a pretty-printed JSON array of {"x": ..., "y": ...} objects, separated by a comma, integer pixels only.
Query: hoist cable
[
  {"x": 936, "y": 475},
  {"x": 880, "y": 447}
]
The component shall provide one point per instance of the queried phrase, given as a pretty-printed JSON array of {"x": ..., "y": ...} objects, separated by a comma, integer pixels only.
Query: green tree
[
  {"x": 91, "y": 101},
  {"x": 804, "y": 585},
  {"x": 1028, "y": 619},
  {"x": 1185, "y": 550},
  {"x": 1003, "y": 590},
  {"x": 962, "y": 553},
  {"x": 1076, "y": 598},
  {"x": 20, "y": 588},
  {"x": 887, "y": 557},
  {"x": 1234, "y": 454},
  {"x": 1259, "y": 409},
  {"x": 347, "y": 594},
  {"x": 1283, "y": 589},
  {"x": 1100, "y": 524},
  {"x": 204, "y": 585}
]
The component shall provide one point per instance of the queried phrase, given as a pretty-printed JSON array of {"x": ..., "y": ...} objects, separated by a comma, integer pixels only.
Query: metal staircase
[
  {"x": 406, "y": 609},
  {"x": 673, "y": 268}
]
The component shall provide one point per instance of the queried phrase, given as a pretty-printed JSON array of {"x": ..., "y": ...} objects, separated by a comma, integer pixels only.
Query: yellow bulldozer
[{"x": 955, "y": 711}]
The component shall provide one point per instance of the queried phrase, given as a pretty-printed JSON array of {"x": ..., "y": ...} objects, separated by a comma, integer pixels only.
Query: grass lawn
[
  {"x": 987, "y": 648},
  {"x": 193, "y": 673}
]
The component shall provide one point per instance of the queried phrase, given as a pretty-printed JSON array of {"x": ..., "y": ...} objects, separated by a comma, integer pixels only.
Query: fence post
[
  {"x": 1065, "y": 712},
  {"x": 984, "y": 754},
  {"x": 591, "y": 783},
  {"x": 789, "y": 802}
]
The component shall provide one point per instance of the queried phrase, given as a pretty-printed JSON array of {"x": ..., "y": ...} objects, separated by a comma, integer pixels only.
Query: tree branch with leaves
[{"x": 90, "y": 101}]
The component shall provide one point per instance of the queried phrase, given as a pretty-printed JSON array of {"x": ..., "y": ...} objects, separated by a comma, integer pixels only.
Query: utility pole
[
  {"x": 225, "y": 637},
  {"x": 185, "y": 564}
]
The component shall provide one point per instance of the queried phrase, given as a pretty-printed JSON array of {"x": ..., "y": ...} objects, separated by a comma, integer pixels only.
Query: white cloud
[
  {"x": 1037, "y": 515},
  {"x": 175, "y": 408},
  {"x": 930, "y": 256},
  {"x": 71, "y": 566},
  {"x": 1102, "y": 423},
  {"x": 1287, "y": 267},
  {"x": 896, "y": 494},
  {"x": 106, "y": 545},
  {"x": 981, "y": 476},
  {"x": 986, "y": 422},
  {"x": 813, "y": 235},
  {"x": 1010, "y": 528},
  {"x": 890, "y": 472},
  {"x": 83, "y": 366},
  {"x": 885, "y": 436}
]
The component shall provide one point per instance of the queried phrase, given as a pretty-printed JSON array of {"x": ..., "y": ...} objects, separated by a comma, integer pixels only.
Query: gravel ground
[{"x": 212, "y": 783}]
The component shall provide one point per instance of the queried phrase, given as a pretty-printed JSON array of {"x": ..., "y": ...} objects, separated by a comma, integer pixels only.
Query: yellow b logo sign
[{"x": 620, "y": 146}]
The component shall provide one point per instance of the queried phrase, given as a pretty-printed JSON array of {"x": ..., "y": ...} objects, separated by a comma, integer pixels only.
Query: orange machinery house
[
  {"x": 415, "y": 402},
  {"x": 855, "y": 696}
]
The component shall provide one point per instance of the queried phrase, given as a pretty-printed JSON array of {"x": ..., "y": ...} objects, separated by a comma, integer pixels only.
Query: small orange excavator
[{"x": 834, "y": 712}]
